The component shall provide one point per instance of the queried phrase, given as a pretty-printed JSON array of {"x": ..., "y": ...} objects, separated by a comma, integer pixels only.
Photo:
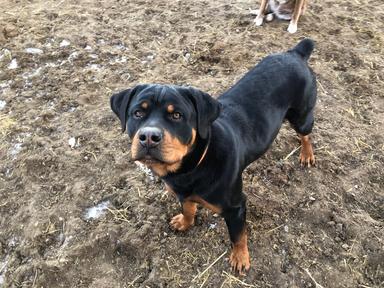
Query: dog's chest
[{"x": 282, "y": 9}]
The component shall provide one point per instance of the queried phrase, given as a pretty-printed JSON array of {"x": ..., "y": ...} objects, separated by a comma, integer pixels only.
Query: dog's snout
[{"x": 150, "y": 137}]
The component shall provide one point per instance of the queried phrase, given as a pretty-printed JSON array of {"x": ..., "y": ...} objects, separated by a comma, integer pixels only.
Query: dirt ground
[{"x": 62, "y": 152}]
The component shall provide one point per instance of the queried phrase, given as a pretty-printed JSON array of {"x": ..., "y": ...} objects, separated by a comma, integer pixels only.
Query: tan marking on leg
[
  {"x": 239, "y": 258},
  {"x": 307, "y": 157},
  {"x": 214, "y": 208},
  {"x": 183, "y": 221}
]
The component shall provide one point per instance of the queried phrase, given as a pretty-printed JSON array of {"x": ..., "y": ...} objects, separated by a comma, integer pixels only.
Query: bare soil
[{"x": 307, "y": 227}]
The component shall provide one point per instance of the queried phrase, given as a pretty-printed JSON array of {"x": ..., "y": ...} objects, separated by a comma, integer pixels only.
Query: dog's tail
[{"x": 304, "y": 48}]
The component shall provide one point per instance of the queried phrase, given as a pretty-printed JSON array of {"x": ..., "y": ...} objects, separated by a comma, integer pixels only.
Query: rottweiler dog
[{"x": 199, "y": 146}]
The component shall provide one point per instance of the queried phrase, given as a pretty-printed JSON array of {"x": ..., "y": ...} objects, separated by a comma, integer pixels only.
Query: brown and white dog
[{"x": 282, "y": 9}]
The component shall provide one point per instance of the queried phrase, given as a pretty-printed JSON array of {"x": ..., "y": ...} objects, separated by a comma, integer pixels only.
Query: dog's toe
[{"x": 180, "y": 223}]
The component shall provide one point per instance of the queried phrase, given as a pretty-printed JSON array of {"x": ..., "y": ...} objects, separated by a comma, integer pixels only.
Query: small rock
[
  {"x": 34, "y": 51},
  {"x": 331, "y": 223},
  {"x": 2, "y": 104},
  {"x": 339, "y": 227},
  {"x": 72, "y": 142},
  {"x": 13, "y": 64},
  {"x": 345, "y": 246},
  {"x": 212, "y": 226},
  {"x": 64, "y": 43},
  {"x": 337, "y": 239}
]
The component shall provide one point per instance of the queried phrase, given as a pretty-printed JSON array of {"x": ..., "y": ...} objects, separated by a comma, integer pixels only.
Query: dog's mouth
[{"x": 150, "y": 159}]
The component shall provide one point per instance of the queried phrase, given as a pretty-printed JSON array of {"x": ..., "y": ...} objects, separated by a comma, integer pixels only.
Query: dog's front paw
[
  {"x": 292, "y": 28},
  {"x": 239, "y": 260},
  {"x": 181, "y": 223},
  {"x": 259, "y": 20}
]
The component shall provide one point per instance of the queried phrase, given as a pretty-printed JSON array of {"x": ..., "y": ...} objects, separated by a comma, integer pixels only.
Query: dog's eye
[
  {"x": 176, "y": 116},
  {"x": 138, "y": 114}
]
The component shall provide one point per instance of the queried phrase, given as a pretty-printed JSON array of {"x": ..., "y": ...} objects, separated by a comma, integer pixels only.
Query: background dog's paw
[
  {"x": 258, "y": 20},
  {"x": 292, "y": 28},
  {"x": 180, "y": 223},
  {"x": 269, "y": 17}
]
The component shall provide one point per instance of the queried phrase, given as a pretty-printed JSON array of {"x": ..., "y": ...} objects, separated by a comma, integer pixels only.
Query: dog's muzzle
[{"x": 150, "y": 137}]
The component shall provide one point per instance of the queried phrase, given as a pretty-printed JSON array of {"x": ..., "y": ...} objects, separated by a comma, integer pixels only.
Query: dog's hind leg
[
  {"x": 307, "y": 158},
  {"x": 303, "y": 125}
]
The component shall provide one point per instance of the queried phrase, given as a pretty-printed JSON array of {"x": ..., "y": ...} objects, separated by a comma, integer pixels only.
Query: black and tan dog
[{"x": 200, "y": 146}]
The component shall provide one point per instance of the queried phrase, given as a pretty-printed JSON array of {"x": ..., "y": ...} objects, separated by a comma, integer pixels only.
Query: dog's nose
[{"x": 150, "y": 137}]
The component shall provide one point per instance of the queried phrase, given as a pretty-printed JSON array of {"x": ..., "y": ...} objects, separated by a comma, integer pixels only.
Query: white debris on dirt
[
  {"x": 73, "y": 56},
  {"x": 88, "y": 48},
  {"x": 13, "y": 64},
  {"x": 3, "y": 269},
  {"x": 34, "y": 51},
  {"x": 146, "y": 170},
  {"x": 122, "y": 59},
  {"x": 95, "y": 67},
  {"x": 64, "y": 43},
  {"x": 5, "y": 54},
  {"x": 120, "y": 47},
  {"x": 72, "y": 142},
  {"x": 96, "y": 211},
  {"x": 212, "y": 226},
  {"x": 2, "y": 104},
  {"x": 32, "y": 74},
  {"x": 16, "y": 149}
]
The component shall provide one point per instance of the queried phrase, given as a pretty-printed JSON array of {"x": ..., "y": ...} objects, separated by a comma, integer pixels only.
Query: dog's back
[{"x": 279, "y": 85}]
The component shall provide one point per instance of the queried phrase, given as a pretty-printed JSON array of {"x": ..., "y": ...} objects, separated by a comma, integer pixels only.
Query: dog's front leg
[
  {"x": 292, "y": 28},
  {"x": 235, "y": 220},
  {"x": 186, "y": 219},
  {"x": 260, "y": 17}
]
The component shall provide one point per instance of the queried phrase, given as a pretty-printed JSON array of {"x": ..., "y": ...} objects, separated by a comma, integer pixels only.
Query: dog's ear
[
  {"x": 120, "y": 103},
  {"x": 207, "y": 109}
]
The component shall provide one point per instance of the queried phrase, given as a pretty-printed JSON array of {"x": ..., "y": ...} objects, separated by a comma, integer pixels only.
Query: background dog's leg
[
  {"x": 292, "y": 28},
  {"x": 304, "y": 7},
  {"x": 186, "y": 219},
  {"x": 259, "y": 19},
  {"x": 307, "y": 158},
  {"x": 235, "y": 220}
]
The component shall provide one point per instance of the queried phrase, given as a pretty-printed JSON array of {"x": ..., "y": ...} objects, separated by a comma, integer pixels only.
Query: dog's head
[{"x": 164, "y": 122}]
